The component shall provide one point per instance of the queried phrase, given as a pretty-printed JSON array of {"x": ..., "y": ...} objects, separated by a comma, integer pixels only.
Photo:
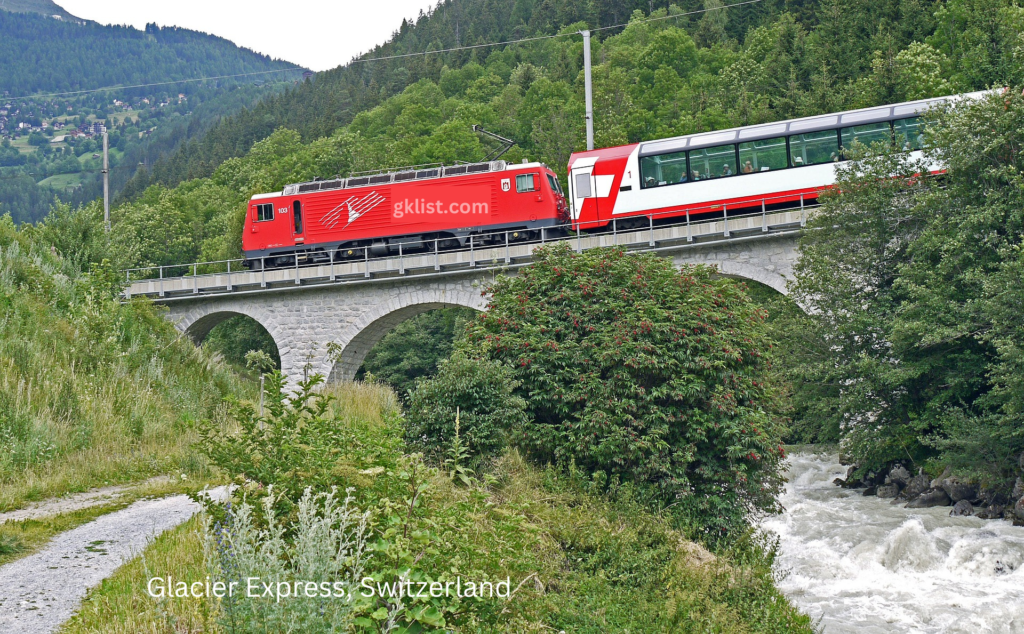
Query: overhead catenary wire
[{"x": 385, "y": 58}]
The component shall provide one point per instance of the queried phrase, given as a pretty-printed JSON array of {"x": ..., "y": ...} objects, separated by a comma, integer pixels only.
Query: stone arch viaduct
[{"x": 355, "y": 304}]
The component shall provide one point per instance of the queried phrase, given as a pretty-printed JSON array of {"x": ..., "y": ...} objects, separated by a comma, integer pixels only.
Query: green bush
[
  {"x": 480, "y": 392},
  {"x": 646, "y": 373}
]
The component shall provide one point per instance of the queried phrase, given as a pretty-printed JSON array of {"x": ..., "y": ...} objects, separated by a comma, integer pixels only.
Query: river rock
[
  {"x": 917, "y": 485},
  {"x": 1018, "y": 490},
  {"x": 993, "y": 496},
  {"x": 931, "y": 497},
  {"x": 991, "y": 512},
  {"x": 961, "y": 508},
  {"x": 957, "y": 490},
  {"x": 937, "y": 482},
  {"x": 887, "y": 491},
  {"x": 899, "y": 476},
  {"x": 871, "y": 490},
  {"x": 1018, "y": 513}
]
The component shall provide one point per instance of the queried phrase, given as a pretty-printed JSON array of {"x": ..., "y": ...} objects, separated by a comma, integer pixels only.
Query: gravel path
[
  {"x": 39, "y": 592},
  {"x": 75, "y": 502}
]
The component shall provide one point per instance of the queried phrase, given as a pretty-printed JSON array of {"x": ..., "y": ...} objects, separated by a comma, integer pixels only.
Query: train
[
  {"x": 402, "y": 212},
  {"x": 412, "y": 210},
  {"x": 733, "y": 171}
]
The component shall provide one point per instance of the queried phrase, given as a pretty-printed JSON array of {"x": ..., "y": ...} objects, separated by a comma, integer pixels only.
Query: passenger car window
[
  {"x": 813, "y": 148},
  {"x": 664, "y": 169},
  {"x": 866, "y": 134},
  {"x": 909, "y": 133},
  {"x": 763, "y": 156},
  {"x": 583, "y": 186},
  {"x": 713, "y": 162}
]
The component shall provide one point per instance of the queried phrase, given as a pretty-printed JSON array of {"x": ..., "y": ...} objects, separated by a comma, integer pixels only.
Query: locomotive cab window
[
  {"x": 264, "y": 212},
  {"x": 526, "y": 183},
  {"x": 555, "y": 187},
  {"x": 665, "y": 169}
]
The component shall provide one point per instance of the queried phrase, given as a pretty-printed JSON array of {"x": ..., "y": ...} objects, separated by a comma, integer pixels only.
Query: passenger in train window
[
  {"x": 834, "y": 157},
  {"x": 726, "y": 171},
  {"x": 696, "y": 175},
  {"x": 748, "y": 168},
  {"x": 682, "y": 177},
  {"x": 651, "y": 182}
]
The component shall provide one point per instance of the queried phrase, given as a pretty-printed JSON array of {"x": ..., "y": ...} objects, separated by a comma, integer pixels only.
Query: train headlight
[
  {"x": 351, "y": 252},
  {"x": 515, "y": 235}
]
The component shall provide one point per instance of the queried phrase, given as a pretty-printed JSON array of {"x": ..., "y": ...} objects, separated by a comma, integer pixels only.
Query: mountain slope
[
  {"x": 42, "y": 7},
  {"x": 57, "y": 56}
]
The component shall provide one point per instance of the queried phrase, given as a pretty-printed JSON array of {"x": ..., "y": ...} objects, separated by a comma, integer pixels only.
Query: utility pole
[
  {"x": 106, "y": 184},
  {"x": 589, "y": 89}
]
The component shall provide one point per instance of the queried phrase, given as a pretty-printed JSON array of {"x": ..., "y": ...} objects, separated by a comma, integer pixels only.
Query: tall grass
[{"x": 92, "y": 391}]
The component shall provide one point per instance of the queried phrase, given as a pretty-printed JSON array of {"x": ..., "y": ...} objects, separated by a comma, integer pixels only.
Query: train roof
[
  {"x": 399, "y": 176},
  {"x": 798, "y": 126}
]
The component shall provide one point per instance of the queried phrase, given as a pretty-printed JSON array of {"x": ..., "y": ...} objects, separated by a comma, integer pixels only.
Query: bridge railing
[{"x": 643, "y": 232}]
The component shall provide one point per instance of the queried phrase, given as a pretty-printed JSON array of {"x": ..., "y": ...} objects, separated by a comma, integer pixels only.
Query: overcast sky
[{"x": 317, "y": 34}]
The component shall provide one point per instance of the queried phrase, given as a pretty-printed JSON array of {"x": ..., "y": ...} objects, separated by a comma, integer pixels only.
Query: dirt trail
[
  {"x": 76, "y": 501},
  {"x": 39, "y": 592}
]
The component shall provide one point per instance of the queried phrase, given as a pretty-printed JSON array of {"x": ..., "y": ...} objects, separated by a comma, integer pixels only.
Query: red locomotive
[{"x": 411, "y": 210}]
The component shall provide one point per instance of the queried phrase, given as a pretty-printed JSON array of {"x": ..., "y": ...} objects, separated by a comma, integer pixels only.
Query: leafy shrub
[
  {"x": 480, "y": 392},
  {"x": 643, "y": 372},
  {"x": 295, "y": 444}
]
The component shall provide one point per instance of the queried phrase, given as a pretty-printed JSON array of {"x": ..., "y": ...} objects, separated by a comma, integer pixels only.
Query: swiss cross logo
[{"x": 506, "y": 184}]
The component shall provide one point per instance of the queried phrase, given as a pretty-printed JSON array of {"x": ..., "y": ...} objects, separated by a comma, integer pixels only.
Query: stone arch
[
  {"x": 360, "y": 337},
  {"x": 771, "y": 279},
  {"x": 201, "y": 319}
]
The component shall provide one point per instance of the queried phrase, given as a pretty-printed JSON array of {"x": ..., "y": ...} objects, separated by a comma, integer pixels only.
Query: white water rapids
[{"x": 861, "y": 564}]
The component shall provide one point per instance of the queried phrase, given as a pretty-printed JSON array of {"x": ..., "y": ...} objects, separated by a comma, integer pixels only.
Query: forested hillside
[
  {"x": 49, "y": 139},
  {"x": 764, "y": 61},
  {"x": 57, "y": 56}
]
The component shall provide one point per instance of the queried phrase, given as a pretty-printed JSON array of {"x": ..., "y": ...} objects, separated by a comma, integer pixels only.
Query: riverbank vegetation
[
  {"x": 580, "y": 556},
  {"x": 916, "y": 284}
]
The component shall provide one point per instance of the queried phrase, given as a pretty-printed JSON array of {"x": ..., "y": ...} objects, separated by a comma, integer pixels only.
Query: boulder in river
[
  {"x": 887, "y": 491},
  {"x": 1018, "y": 490},
  {"x": 871, "y": 490},
  {"x": 991, "y": 512},
  {"x": 917, "y": 485},
  {"x": 1018, "y": 513},
  {"x": 937, "y": 482},
  {"x": 931, "y": 497},
  {"x": 899, "y": 476},
  {"x": 957, "y": 490},
  {"x": 961, "y": 508}
]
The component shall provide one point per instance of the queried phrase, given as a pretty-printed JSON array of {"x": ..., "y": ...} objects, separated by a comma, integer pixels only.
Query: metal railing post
[
  {"x": 366, "y": 261},
  {"x": 297, "y": 280},
  {"x": 579, "y": 240},
  {"x": 401, "y": 260},
  {"x": 615, "y": 233},
  {"x": 161, "y": 281},
  {"x": 764, "y": 218},
  {"x": 195, "y": 278},
  {"x": 229, "y": 276},
  {"x": 542, "y": 235},
  {"x": 803, "y": 216},
  {"x": 689, "y": 230},
  {"x": 725, "y": 215},
  {"x": 507, "y": 260},
  {"x": 650, "y": 227},
  {"x": 263, "y": 272},
  {"x": 334, "y": 276},
  {"x": 472, "y": 254},
  {"x": 437, "y": 261}
]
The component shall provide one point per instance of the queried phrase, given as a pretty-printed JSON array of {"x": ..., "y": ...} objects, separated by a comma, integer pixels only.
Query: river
[{"x": 861, "y": 564}]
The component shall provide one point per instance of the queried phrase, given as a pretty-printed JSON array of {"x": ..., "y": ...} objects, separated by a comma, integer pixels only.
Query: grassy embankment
[
  {"x": 92, "y": 392},
  {"x": 583, "y": 562}
]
